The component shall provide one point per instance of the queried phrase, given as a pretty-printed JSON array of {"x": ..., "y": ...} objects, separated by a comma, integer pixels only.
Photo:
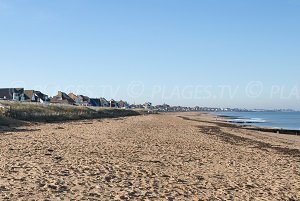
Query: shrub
[{"x": 55, "y": 113}]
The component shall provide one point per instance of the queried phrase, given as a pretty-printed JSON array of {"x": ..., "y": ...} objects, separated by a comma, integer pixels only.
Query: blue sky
[{"x": 198, "y": 52}]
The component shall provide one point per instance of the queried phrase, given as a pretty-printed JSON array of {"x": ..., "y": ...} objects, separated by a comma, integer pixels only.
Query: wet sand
[{"x": 183, "y": 156}]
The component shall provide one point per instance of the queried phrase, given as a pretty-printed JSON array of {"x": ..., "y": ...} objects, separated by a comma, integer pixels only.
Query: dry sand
[{"x": 155, "y": 157}]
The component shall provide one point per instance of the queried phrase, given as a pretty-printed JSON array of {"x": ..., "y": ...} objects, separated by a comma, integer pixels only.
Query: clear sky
[{"x": 229, "y": 53}]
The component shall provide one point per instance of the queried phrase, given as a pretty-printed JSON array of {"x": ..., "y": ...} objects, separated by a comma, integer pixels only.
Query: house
[
  {"x": 80, "y": 99},
  {"x": 113, "y": 103},
  {"x": 74, "y": 97},
  {"x": 163, "y": 107},
  {"x": 104, "y": 102},
  {"x": 148, "y": 105},
  {"x": 35, "y": 96},
  {"x": 62, "y": 98},
  {"x": 15, "y": 94},
  {"x": 95, "y": 102},
  {"x": 135, "y": 106},
  {"x": 84, "y": 100},
  {"x": 122, "y": 104}
]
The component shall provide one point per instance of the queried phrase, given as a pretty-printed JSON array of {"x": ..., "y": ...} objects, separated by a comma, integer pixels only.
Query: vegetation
[
  {"x": 35, "y": 112},
  {"x": 1, "y": 117}
]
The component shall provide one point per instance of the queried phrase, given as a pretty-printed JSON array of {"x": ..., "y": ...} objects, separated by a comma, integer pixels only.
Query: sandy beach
[{"x": 176, "y": 156}]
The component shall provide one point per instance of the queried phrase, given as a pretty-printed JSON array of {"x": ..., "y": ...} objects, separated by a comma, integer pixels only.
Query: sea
[{"x": 280, "y": 120}]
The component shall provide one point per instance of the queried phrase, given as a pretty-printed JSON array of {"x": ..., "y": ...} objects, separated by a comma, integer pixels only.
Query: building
[
  {"x": 84, "y": 100},
  {"x": 80, "y": 99},
  {"x": 122, "y": 104},
  {"x": 148, "y": 105},
  {"x": 14, "y": 94},
  {"x": 104, "y": 102},
  {"x": 62, "y": 98},
  {"x": 35, "y": 96},
  {"x": 95, "y": 102},
  {"x": 113, "y": 103},
  {"x": 136, "y": 106}
]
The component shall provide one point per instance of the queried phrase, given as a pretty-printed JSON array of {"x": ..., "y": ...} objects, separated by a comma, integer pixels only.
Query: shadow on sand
[
  {"x": 9, "y": 126},
  {"x": 10, "y": 130}
]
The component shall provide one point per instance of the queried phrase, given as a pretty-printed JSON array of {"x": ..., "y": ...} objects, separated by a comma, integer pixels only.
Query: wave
[{"x": 246, "y": 121}]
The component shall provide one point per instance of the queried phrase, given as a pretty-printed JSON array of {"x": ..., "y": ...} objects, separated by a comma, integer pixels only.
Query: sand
[{"x": 154, "y": 157}]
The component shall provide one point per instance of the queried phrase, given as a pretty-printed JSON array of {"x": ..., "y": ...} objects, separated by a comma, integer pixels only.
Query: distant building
[
  {"x": 80, "y": 99},
  {"x": 122, "y": 104},
  {"x": 113, "y": 103},
  {"x": 74, "y": 97},
  {"x": 62, "y": 98},
  {"x": 104, "y": 102},
  {"x": 84, "y": 100},
  {"x": 35, "y": 96},
  {"x": 147, "y": 105},
  {"x": 95, "y": 102},
  {"x": 136, "y": 106},
  {"x": 15, "y": 94}
]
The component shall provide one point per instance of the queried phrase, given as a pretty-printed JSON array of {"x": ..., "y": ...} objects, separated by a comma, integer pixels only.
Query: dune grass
[
  {"x": 34, "y": 112},
  {"x": 2, "y": 120}
]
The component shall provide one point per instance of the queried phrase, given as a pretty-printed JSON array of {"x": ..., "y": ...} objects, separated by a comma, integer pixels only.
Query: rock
[
  {"x": 123, "y": 197},
  {"x": 62, "y": 189},
  {"x": 3, "y": 189},
  {"x": 170, "y": 198},
  {"x": 132, "y": 194},
  {"x": 52, "y": 187},
  {"x": 59, "y": 158}
]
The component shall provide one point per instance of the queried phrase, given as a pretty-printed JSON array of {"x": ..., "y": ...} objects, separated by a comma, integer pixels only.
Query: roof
[
  {"x": 8, "y": 92},
  {"x": 84, "y": 98},
  {"x": 30, "y": 93},
  {"x": 41, "y": 95},
  {"x": 103, "y": 100},
  {"x": 63, "y": 96},
  {"x": 73, "y": 96},
  {"x": 95, "y": 102}
]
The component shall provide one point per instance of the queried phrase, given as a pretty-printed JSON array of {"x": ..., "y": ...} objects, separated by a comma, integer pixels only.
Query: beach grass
[
  {"x": 35, "y": 112},
  {"x": 2, "y": 117}
]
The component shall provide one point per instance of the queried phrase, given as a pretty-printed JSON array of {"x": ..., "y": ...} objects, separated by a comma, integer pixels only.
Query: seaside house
[
  {"x": 14, "y": 94},
  {"x": 164, "y": 108},
  {"x": 62, "y": 98},
  {"x": 148, "y": 105},
  {"x": 104, "y": 102},
  {"x": 80, "y": 99},
  {"x": 113, "y": 103},
  {"x": 136, "y": 106},
  {"x": 35, "y": 96},
  {"x": 84, "y": 100},
  {"x": 95, "y": 102},
  {"x": 74, "y": 97},
  {"x": 122, "y": 104}
]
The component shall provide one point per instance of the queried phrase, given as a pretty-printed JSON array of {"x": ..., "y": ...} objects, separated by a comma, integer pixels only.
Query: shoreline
[{"x": 257, "y": 128}]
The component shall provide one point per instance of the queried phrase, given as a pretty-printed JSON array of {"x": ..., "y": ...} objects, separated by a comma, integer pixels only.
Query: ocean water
[{"x": 284, "y": 120}]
